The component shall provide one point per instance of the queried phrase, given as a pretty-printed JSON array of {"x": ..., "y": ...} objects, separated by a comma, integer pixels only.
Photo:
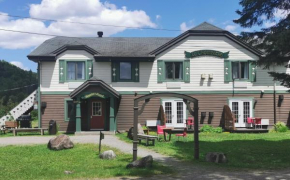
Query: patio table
[{"x": 171, "y": 131}]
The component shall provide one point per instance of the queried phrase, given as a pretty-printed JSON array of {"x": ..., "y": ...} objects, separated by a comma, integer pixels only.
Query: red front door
[{"x": 97, "y": 115}]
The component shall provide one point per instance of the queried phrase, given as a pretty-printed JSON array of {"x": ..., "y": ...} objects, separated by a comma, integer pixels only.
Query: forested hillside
[{"x": 12, "y": 82}]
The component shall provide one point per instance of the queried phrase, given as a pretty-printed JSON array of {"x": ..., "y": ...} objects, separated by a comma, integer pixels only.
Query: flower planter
[{"x": 11, "y": 124}]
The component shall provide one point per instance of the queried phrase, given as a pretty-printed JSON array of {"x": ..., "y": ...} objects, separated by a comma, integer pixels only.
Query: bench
[
  {"x": 41, "y": 130},
  {"x": 148, "y": 138},
  {"x": 142, "y": 136}
]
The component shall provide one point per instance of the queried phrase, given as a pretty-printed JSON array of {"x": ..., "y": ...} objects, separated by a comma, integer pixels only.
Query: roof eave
[
  {"x": 104, "y": 85},
  {"x": 99, "y": 58},
  {"x": 41, "y": 58}
]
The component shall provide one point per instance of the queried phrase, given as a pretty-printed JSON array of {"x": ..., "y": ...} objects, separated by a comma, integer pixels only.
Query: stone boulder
[
  {"x": 141, "y": 163},
  {"x": 60, "y": 142},
  {"x": 108, "y": 155},
  {"x": 216, "y": 157}
]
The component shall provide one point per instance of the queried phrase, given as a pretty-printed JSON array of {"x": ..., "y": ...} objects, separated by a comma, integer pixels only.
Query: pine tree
[{"x": 274, "y": 40}]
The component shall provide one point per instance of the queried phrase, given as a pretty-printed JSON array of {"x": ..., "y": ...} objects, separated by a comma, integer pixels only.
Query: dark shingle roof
[
  {"x": 206, "y": 27},
  {"x": 105, "y": 46}
]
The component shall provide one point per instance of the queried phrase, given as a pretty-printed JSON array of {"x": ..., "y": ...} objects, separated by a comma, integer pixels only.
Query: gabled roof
[
  {"x": 128, "y": 48},
  {"x": 105, "y": 47},
  {"x": 205, "y": 29},
  {"x": 94, "y": 81}
]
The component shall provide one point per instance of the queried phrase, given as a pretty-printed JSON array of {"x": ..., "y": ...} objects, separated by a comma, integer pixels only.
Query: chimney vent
[{"x": 100, "y": 34}]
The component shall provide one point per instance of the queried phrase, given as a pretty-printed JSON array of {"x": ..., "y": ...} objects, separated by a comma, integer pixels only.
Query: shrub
[
  {"x": 280, "y": 127},
  {"x": 210, "y": 129}
]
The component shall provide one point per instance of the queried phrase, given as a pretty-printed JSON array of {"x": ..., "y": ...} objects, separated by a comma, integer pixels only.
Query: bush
[
  {"x": 280, "y": 127},
  {"x": 210, "y": 129}
]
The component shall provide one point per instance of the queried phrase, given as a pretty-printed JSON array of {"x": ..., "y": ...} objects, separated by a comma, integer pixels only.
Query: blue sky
[{"x": 167, "y": 14}]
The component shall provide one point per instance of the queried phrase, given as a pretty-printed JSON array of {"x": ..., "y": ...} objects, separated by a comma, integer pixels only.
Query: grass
[
  {"x": 38, "y": 162},
  {"x": 244, "y": 151}
]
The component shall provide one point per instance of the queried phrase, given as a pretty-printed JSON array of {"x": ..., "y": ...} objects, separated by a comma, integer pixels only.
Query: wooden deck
[{"x": 249, "y": 130}]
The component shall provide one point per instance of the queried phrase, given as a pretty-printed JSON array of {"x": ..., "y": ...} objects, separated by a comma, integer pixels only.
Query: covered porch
[{"x": 95, "y": 106}]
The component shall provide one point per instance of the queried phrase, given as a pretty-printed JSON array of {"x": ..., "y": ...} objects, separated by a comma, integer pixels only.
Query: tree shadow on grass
[{"x": 247, "y": 159}]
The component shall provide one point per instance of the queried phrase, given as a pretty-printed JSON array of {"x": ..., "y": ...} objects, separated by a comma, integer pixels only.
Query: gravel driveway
[{"x": 184, "y": 170}]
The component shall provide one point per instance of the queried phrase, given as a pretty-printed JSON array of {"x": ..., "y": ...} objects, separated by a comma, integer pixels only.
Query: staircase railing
[{"x": 21, "y": 108}]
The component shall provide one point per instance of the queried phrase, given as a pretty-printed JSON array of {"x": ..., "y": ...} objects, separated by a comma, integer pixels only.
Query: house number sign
[{"x": 206, "y": 53}]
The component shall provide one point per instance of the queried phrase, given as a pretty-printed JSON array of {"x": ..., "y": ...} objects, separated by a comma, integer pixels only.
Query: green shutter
[
  {"x": 186, "y": 71},
  {"x": 62, "y": 71},
  {"x": 228, "y": 71},
  {"x": 89, "y": 69},
  {"x": 115, "y": 71},
  {"x": 252, "y": 71},
  {"x": 160, "y": 71},
  {"x": 135, "y": 71}
]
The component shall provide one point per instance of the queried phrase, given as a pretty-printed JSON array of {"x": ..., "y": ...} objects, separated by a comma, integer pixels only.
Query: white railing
[{"x": 21, "y": 108}]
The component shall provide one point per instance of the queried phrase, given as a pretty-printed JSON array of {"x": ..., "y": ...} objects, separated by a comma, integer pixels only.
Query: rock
[
  {"x": 216, "y": 157},
  {"x": 68, "y": 172},
  {"x": 141, "y": 163},
  {"x": 60, "y": 142},
  {"x": 108, "y": 155}
]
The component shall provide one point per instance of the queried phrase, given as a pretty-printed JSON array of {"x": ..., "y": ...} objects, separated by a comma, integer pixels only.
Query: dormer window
[
  {"x": 240, "y": 70},
  {"x": 125, "y": 70}
]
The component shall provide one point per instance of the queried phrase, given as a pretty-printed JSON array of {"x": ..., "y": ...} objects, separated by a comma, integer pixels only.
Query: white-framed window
[
  {"x": 125, "y": 70},
  {"x": 76, "y": 70},
  {"x": 240, "y": 70},
  {"x": 174, "y": 70}
]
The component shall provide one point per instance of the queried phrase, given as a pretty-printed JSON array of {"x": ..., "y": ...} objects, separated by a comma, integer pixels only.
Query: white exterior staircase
[{"x": 21, "y": 108}]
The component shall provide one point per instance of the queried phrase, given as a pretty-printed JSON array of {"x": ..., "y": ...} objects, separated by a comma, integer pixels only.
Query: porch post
[
  {"x": 78, "y": 115},
  {"x": 112, "y": 114}
]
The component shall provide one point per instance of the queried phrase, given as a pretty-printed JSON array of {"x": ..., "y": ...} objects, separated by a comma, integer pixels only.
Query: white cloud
[
  {"x": 158, "y": 17},
  {"x": 86, "y": 11},
  {"x": 19, "y": 64},
  {"x": 281, "y": 13},
  {"x": 268, "y": 24},
  {"x": 230, "y": 28},
  {"x": 186, "y": 26},
  {"x": 211, "y": 20}
]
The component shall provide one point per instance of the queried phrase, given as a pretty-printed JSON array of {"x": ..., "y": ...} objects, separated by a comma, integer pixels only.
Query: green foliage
[
  {"x": 209, "y": 129},
  {"x": 13, "y": 77},
  {"x": 34, "y": 115},
  {"x": 273, "y": 40},
  {"x": 38, "y": 162},
  {"x": 280, "y": 127}
]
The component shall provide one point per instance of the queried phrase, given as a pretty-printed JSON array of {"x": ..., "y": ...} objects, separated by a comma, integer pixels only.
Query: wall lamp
[
  {"x": 280, "y": 100},
  {"x": 262, "y": 93},
  {"x": 255, "y": 102}
]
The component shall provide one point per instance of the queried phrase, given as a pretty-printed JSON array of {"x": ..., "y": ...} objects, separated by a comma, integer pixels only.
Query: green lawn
[
  {"x": 244, "y": 151},
  {"x": 38, "y": 162}
]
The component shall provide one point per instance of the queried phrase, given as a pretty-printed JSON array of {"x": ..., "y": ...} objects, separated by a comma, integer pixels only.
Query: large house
[{"x": 90, "y": 83}]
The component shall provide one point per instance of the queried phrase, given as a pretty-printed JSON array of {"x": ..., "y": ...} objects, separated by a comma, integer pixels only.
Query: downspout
[
  {"x": 274, "y": 97},
  {"x": 39, "y": 96}
]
